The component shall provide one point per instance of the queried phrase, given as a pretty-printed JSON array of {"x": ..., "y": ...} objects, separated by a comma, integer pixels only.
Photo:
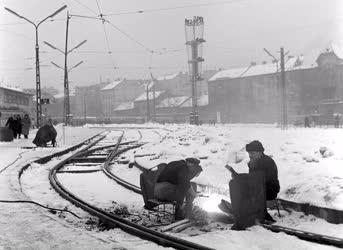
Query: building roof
[
  {"x": 260, "y": 69},
  {"x": 112, "y": 85},
  {"x": 142, "y": 97},
  {"x": 172, "y": 101},
  {"x": 167, "y": 77},
  {"x": 125, "y": 106},
  {"x": 201, "y": 101},
  {"x": 61, "y": 95},
  {"x": 17, "y": 89}
]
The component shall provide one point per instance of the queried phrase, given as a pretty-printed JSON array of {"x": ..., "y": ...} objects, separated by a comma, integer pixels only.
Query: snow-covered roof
[
  {"x": 260, "y": 69},
  {"x": 125, "y": 106},
  {"x": 2, "y": 85},
  {"x": 61, "y": 95},
  {"x": 142, "y": 97},
  {"x": 112, "y": 85},
  {"x": 167, "y": 77},
  {"x": 172, "y": 101},
  {"x": 201, "y": 101}
]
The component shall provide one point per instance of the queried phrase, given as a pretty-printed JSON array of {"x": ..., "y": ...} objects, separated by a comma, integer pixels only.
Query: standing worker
[{"x": 26, "y": 124}]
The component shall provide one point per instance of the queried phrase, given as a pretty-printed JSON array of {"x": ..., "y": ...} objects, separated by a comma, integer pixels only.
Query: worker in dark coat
[
  {"x": 259, "y": 162},
  {"x": 173, "y": 184},
  {"x": 44, "y": 135}
]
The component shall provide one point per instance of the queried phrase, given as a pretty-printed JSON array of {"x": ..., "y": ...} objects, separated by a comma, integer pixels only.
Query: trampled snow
[{"x": 309, "y": 163}]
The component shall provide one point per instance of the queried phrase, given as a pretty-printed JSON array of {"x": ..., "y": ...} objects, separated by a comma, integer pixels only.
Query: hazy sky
[{"x": 236, "y": 31}]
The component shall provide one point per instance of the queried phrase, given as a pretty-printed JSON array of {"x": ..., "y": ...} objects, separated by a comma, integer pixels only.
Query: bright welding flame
[{"x": 211, "y": 203}]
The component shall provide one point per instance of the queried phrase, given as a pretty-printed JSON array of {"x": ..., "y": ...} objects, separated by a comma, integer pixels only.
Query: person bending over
[{"x": 173, "y": 184}]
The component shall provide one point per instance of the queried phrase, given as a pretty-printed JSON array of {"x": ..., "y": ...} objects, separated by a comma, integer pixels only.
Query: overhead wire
[
  {"x": 173, "y": 8},
  {"x": 85, "y": 6}
]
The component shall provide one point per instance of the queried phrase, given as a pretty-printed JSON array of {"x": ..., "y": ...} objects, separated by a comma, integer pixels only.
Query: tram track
[
  {"x": 144, "y": 232},
  {"x": 114, "y": 220},
  {"x": 301, "y": 234}
]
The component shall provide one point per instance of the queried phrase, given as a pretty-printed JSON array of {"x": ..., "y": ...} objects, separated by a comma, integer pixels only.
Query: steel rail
[
  {"x": 113, "y": 220},
  {"x": 303, "y": 235}
]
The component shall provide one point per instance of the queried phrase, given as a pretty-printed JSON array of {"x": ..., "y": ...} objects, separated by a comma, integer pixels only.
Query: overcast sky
[{"x": 236, "y": 31}]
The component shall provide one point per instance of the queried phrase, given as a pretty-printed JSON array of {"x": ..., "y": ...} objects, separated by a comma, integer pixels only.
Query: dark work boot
[{"x": 179, "y": 213}]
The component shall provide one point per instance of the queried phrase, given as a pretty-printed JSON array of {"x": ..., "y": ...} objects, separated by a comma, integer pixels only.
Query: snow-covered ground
[{"x": 309, "y": 163}]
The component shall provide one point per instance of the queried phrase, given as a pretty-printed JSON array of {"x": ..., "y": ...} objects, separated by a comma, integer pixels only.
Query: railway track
[
  {"x": 103, "y": 155},
  {"x": 87, "y": 155},
  {"x": 301, "y": 234}
]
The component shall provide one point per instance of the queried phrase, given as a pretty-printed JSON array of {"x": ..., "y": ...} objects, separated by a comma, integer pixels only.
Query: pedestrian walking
[
  {"x": 26, "y": 124},
  {"x": 17, "y": 126},
  {"x": 11, "y": 125}
]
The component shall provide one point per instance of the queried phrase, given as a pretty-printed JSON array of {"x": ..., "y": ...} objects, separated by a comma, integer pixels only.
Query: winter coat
[
  {"x": 44, "y": 135},
  {"x": 10, "y": 123},
  {"x": 26, "y": 124},
  {"x": 177, "y": 173},
  {"x": 268, "y": 167},
  {"x": 17, "y": 125}
]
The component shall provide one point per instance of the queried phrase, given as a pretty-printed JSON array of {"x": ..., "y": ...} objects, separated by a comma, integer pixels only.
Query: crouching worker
[
  {"x": 259, "y": 164},
  {"x": 44, "y": 135},
  {"x": 173, "y": 184}
]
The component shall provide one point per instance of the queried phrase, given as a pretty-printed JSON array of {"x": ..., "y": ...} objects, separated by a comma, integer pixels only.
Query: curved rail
[
  {"x": 113, "y": 220},
  {"x": 303, "y": 235}
]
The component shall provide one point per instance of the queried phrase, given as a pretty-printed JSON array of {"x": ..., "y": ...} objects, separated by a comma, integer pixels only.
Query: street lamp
[
  {"x": 66, "y": 71},
  {"x": 76, "y": 65},
  {"x": 38, "y": 85},
  {"x": 194, "y": 32}
]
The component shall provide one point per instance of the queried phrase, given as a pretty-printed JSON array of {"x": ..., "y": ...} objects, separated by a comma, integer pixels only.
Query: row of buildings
[{"x": 239, "y": 95}]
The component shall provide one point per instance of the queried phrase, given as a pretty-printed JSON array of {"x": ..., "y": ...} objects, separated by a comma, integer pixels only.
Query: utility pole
[
  {"x": 194, "y": 31},
  {"x": 282, "y": 83},
  {"x": 66, "y": 83},
  {"x": 147, "y": 103},
  {"x": 66, "y": 106},
  {"x": 38, "y": 83},
  {"x": 154, "y": 97},
  {"x": 283, "y": 89},
  {"x": 84, "y": 108}
]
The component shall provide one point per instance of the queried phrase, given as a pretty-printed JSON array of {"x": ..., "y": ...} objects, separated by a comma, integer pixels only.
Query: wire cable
[
  {"x": 38, "y": 204},
  {"x": 174, "y": 8},
  {"x": 85, "y": 6},
  {"x": 128, "y": 36}
]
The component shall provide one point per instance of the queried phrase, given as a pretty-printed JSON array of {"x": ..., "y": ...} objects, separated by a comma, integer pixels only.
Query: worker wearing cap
[
  {"x": 173, "y": 184},
  {"x": 261, "y": 162}
]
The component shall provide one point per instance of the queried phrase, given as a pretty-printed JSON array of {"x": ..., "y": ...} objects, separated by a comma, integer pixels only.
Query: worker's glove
[{"x": 232, "y": 171}]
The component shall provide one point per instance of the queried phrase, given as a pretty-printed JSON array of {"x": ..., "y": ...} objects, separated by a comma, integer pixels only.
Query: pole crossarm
[{"x": 37, "y": 73}]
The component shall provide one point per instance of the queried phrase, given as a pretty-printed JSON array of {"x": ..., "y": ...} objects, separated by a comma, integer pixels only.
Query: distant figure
[
  {"x": 17, "y": 126},
  {"x": 11, "y": 125},
  {"x": 259, "y": 162},
  {"x": 44, "y": 135},
  {"x": 337, "y": 121},
  {"x": 307, "y": 122},
  {"x": 26, "y": 124}
]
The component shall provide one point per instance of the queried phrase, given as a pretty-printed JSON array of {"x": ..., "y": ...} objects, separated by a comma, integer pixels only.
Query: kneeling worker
[{"x": 173, "y": 184}]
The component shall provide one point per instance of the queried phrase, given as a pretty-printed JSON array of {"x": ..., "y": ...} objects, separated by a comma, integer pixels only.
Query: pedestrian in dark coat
[
  {"x": 173, "y": 184},
  {"x": 17, "y": 126},
  {"x": 26, "y": 124},
  {"x": 11, "y": 125}
]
